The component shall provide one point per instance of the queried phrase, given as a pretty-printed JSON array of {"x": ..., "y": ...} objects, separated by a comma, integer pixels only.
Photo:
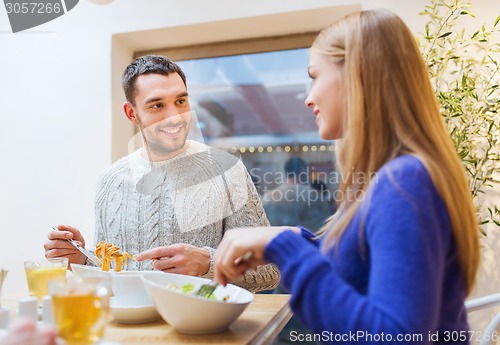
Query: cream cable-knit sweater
[{"x": 192, "y": 198}]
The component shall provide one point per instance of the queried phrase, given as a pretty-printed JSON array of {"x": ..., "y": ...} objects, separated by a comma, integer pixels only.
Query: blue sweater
[{"x": 400, "y": 278}]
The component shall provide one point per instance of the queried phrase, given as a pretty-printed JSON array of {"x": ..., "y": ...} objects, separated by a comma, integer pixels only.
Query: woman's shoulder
[
  {"x": 404, "y": 198},
  {"x": 407, "y": 169},
  {"x": 405, "y": 178},
  {"x": 404, "y": 164}
]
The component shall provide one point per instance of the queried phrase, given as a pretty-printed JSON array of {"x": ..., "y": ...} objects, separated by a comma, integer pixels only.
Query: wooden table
[{"x": 259, "y": 324}]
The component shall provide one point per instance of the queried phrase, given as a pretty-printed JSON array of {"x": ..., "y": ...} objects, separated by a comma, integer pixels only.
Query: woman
[{"x": 399, "y": 257}]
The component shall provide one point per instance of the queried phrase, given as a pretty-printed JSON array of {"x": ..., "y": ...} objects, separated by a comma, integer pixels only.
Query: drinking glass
[
  {"x": 40, "y": 272},
  {"x": 80, "y": 310}
]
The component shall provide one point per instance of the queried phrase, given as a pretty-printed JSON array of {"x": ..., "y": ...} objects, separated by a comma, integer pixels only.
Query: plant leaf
[{"x": 446, "y": 34}]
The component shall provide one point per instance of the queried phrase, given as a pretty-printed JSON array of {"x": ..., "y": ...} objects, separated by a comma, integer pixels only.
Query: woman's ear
[{"x": 129, "y": 111}]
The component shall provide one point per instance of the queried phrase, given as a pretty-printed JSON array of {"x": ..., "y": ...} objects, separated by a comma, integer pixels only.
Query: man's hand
[
  {"x": 57, "y": 246},
  {"x": 178, "y": 258}
]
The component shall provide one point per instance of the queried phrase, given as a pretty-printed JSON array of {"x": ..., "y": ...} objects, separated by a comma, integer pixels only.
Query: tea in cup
[
  {"x": 80, "y": 310},
  {"x": 39, "y": 273}
]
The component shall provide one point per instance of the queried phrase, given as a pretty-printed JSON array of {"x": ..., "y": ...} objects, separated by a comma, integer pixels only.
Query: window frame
[{"x": 234, "y": 47}]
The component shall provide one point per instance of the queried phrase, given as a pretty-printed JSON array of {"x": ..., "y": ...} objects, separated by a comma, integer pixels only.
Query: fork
[
  {"x": 206, "y": 290},
  {"x": 91, "y": 256}
]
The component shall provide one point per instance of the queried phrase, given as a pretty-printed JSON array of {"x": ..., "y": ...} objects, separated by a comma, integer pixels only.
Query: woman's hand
[{"x": 236, "y": 243}]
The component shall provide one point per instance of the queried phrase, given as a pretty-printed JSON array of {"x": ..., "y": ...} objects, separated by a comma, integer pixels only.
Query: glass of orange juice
[
  {"x": 40, "y": 272},
  {"x": 80, "y": 309}
]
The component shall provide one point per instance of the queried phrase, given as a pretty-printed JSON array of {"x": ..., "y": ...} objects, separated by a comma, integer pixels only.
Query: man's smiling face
[{"x": 162, "y": 112}]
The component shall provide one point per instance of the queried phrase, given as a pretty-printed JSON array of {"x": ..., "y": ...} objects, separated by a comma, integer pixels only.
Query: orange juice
[
  {"x": 78, "y": 317},
  {"x": 39, "y": 277}
]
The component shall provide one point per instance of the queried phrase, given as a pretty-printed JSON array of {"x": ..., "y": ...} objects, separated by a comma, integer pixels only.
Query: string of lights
[{"x": 282, "y": 148}]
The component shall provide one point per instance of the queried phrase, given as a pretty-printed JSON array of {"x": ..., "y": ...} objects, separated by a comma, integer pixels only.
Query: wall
[{"x": 58, "y": 93}]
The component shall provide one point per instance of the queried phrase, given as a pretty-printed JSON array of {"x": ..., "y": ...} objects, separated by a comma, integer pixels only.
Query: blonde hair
[{"x": 391, "y": 109}]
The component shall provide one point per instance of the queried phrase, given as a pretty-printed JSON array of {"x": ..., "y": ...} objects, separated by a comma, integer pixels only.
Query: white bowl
[
  {"x": 87, "y": 271},
  {"x": 133, "y": 315},
  {"x": 128, "y": 289},
  {"x": 192, "y": 314}
]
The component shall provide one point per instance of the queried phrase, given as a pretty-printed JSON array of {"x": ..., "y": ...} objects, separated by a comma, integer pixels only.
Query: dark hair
[
  {"x": 296, "y": 167},
  {"x": 144, "y": 65}
]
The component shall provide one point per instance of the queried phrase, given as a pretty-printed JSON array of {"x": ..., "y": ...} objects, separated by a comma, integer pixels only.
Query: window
[{"x": 251, "y": 104}]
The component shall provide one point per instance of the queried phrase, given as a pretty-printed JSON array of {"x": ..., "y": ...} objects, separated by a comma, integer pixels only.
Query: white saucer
[{"x": 133, "y": 314}]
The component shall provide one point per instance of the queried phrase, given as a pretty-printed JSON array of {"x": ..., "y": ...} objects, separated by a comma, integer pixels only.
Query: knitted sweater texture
[
  {"x": 394, "y": 273},
  {"x": 192, "y": 198}
]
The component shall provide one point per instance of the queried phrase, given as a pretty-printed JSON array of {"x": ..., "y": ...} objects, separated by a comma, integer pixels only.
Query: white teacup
[{"x": 129, "y": 290}]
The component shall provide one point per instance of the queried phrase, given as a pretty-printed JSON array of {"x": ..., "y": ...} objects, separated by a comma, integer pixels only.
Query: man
[{"x": 172, "y": 200}]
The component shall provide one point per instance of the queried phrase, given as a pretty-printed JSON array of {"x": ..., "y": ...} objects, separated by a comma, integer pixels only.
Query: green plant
[{"x": 465, "y": 72}]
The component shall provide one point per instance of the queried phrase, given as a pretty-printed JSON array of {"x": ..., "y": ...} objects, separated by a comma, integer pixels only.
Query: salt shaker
[
  {"x": 28, "y": 308},
  {"x": 4, "y": 317},
  {"x": 47, "y": 316}
]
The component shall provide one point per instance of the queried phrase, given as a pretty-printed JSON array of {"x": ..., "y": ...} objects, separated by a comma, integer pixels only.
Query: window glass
[{"x": 252, "y": 105}]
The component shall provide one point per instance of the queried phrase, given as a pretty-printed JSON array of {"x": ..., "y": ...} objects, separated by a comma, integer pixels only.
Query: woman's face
[{"x": 327, "y": 95}]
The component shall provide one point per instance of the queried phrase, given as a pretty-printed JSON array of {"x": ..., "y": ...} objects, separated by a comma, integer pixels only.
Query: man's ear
[{"x": 129, "y": 111}]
